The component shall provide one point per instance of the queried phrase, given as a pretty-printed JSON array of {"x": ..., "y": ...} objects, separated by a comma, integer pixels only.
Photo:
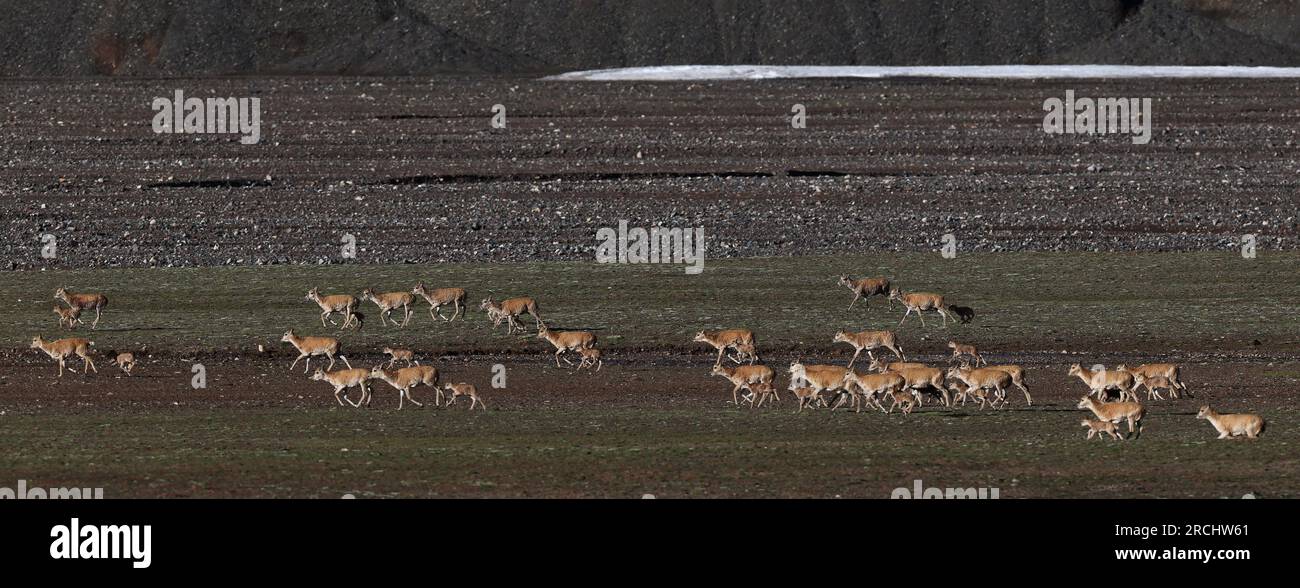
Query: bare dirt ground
[{"x": 411, "y": 167}]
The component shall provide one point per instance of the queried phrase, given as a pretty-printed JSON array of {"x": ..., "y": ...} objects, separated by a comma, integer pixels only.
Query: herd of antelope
[{"x": 904, "y": 385}]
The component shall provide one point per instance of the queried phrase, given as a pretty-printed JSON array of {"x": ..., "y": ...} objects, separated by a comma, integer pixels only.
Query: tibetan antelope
[
  {"x": 344, "y": 379},
  {"x": 759, "y": 393},
  {"x": 341, "y": 303},
  {"x": 919, "y": 302},
  {"x": 1100, "y": 429},
  {"x": 977, "y": 379},
  {"x": 822, "y": 378},
  {"x": 62, "y": 348},
  {"x": 869, "y": 386},
  {"x": 1154, "y": 385},
  {"x": 865, "y": 288},
  {"x": 869, "y": 340},
  {"x": 728, "y": 338},
  {"x": 396, "y": 355},
  {"x": 907, "y": 399},
  {"x": 807, "y": 396},
  {"x": 959, "y": 349},
  {"x": 98, "y": 302},
  {"x": 509, "y": 310},
  {"x": 1017, "y": 374},
  {"x": 403, "y": 379},
  {"x": 1233, "y": 425},
  {"x": 441, "y": 297},
  {"x": 744, "y": 352},
  {"x": 742, "y": 377},
  {"x": 1167, "y": 370},
  {"x": 455, "y": 391},
  {"x": 590, "y": 357},
  {"x": 1100, "y": 381},
  {"x": 388, "y": 302},
  {"x": 1114, "y": 412},
  {"x": 926, "y": 379},
  {"x": 69, "y": 316},
  {"x": 125, "y": 362},
  {"x": 311, "y": 346},
  {"x": 567, "y": 341}
]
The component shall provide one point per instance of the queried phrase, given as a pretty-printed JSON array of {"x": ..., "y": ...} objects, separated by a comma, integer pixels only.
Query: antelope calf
[
  {"x": 389, "y": 302},
  {"x": 125, "y": 362},
  {"x": 1233, "y": 425},
  {"x": 744, "y": 351},
  {"x": 919, "y": 302},
  {"x": 442, "y": 297},
  {"x": 807, "y": 396},
  {"x": 1154, "y": 385},
  {"x": 403, "y": 379},
  {"x": 62, "y": 348},
  {"x": 567, "y": 341},
  {"x": 590, "y": 357},
  {"x": 869, "y": 386},
  {"x": 959, "y": 349},
  {"x": 97, "y": 302},
  {"x": 344, "y": 379},
  {"x": 396, "y": 355},
  {"x": 1101, "y": 428},
  {"x": 742, "y": 377},
  {"x": 925, "y": 379},
  {"x": 760, "y": 391},
  {"x": 1099, "y": 381},
  {"x": 341, "y": 303},
  {"x": 312, "y": 346},
  {"x": 69, "y": 316},
  {"x": 725, "y": 339},
  {"x": 509, "y": 310},
  {"x": 1017, "y": 374},
  {"x": 907, "y": 399},
  {"x": 983, "y": 379},
  {"x": 1166, "y": 370},
  {"x": 1114, "y": 412},
  {"x": 869, "y": 340},
  {"x": 865, "y": 288},
  {"x": 462, "y": 389}
]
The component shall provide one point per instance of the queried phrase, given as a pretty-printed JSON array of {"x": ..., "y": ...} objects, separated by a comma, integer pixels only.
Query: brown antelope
[
  {"x": 1017, "y": 374},
  {"x": 869, "y": 340},
  {"x": 982, "y": 379},
  {"x": 69, "y": 316},
  {"x": 865, "y": 288},
  {"x": 744, "y": 351},
  {"x": 822, "y": 378},
  {"x": 125, "y": 362},
  {"x": 979, "y": 394},
  {"x": 959, "y": 349},
  {"x": 1101, "y": 428},
  {"x": 98, "y": 302},
  {"x": 1233, "y": 425},
  {"x": 344, "y": 379},
  {"x": 1114, "y": 412},
  {"x": 807, "y": 396},
  {"x": 396, "y": 355},
  {"x": 742, "y": 377},
  {"x": 388, "y": 302},
  {"x": 760, "y": 392},
  {"x": 926, "y": 379},
  {"x": 907, "y": 399},
  {"x": 567, "y": 341},
  {"x": 1099, "y": 381},
  {"x": 1167, "y": 370},
  {"x": 892, "y": 366},
  {"x": 62, "y": 348},
  {"x": 1154, "y": 385},
  {"x": 590, "y": 357},
  {"x": 919, "y": 302},
  {"x": 727, "y": 338},
  {"x": 341, "y": 303},
  {"x": 403, "y": 379},
  {"x": 312, "y": 346},
  {"x": 869, "y": 386},
  {"x": 455, "y": 391},
  {"x": 441, "y": 297},
  {"x": 509, "y": 310}
]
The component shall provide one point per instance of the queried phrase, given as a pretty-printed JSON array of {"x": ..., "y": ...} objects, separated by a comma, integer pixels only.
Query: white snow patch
[{"x": 768, "y": 72}]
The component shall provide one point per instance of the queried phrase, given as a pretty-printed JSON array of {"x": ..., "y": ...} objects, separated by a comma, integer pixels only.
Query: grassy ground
[{"x": 1024, "y": 301}]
